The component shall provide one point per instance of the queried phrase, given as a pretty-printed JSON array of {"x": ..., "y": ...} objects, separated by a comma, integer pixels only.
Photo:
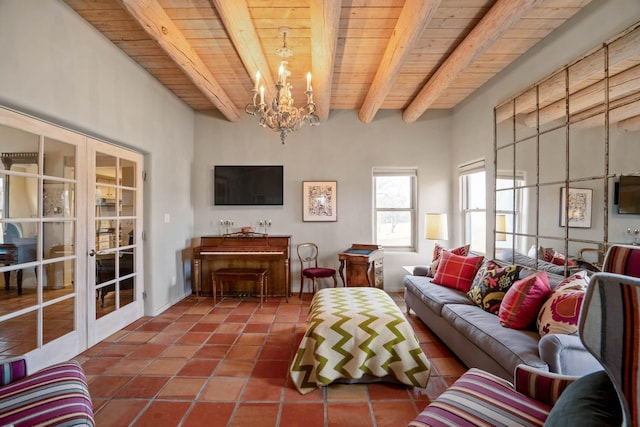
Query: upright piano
[{"x": 243, "y": 250}]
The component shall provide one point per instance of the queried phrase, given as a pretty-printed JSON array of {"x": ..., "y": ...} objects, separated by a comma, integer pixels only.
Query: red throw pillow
[
  {"x": 522, "y": 302},
  {"x": 437, "y": 254},
  {"x": 457, "y": 271},
  {"x": 559, "y": 259},
  {"x": 547, "y": 254}
]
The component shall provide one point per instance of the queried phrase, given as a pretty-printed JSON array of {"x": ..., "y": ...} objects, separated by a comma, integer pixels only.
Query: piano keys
[{"x": 243, "y": 250}]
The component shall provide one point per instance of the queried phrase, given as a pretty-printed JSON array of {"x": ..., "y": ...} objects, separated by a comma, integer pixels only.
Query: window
[
  {"x": 395, "y": 208},
  {"x": 473, "y": 189},
  {"x": 510, "y": 210}
]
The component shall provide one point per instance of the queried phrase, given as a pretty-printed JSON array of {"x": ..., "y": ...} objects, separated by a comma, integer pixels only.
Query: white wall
[
  {"x": 341, "y": 149},
  {"x": 472, "y": 135},
  {"x": 56, "y": 66}
]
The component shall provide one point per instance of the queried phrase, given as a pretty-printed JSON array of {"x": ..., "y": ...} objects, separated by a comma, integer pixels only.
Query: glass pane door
[
  {"x": 40, "y": 302},
  {"x": 70, "y": 247},
  {"x": 115, "y": 228}
]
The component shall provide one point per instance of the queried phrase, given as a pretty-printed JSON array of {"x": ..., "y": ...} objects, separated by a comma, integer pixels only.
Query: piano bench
[{"x": 259, "y": 275}]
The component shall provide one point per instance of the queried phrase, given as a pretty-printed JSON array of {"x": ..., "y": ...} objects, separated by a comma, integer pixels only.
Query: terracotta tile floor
[{"x": 197, "y": 365}]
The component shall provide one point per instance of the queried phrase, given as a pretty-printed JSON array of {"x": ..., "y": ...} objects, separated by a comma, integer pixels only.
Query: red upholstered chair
[{"x": 308, "y": 256}]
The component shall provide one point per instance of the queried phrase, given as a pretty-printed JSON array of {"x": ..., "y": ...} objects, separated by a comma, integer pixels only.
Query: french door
[
  {"x": 70, "y": 253},
  {"x": 115, "y": 254}
]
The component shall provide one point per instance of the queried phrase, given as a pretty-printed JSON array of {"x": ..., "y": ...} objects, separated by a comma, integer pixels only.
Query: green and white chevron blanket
[{"x": 354, "y": 332}]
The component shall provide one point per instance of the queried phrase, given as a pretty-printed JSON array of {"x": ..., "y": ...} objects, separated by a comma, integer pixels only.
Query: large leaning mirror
[{"x": 570, "y": 145}]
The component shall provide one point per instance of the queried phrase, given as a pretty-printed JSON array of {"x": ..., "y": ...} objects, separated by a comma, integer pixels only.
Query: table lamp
[
  {"x": 501, "y": 228},
  {"x": 436, "y": 226}
]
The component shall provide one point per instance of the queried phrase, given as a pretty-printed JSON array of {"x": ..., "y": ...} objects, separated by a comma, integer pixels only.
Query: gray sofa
[{"x": 478, "y": 338}]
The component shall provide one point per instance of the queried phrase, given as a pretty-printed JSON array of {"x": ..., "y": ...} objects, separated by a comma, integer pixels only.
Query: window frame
[
  {"x": 412, "y": 173},
  {"x": 464, "y": 172},
  {"x": 518, "y": 211}
]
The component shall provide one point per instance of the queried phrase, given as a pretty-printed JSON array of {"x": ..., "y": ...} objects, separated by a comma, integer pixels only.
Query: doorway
[{"x": 65, "y": 287}]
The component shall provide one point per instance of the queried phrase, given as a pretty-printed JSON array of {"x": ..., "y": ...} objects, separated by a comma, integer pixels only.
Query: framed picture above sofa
[{"x": 579, "y": 207}]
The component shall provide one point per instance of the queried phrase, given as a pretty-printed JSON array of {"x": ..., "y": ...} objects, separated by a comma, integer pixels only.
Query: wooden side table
[
  {"x": 221, "y": 275},
  {"x": 363, "y": 264}
]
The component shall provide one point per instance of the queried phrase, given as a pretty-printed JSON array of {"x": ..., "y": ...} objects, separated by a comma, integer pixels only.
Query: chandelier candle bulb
[
  {"x": 308, "y": 82},
  {"x": 261, "y": 95},
  {"x": 257, "y": 80}
]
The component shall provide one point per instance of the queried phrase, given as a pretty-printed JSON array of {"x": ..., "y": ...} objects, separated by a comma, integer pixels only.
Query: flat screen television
[
  {"x": 248, "y": 185},
  {"x": 629, "y": 195}
]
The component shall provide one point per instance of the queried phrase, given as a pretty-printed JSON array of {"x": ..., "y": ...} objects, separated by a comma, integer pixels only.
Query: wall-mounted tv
[
  {"x": 248, "y": 185},
  {"x": 629, "y": 195}
]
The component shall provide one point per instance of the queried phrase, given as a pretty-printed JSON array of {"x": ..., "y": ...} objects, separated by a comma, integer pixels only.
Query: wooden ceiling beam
[
  {"x": 553, "y": 88},
  {"x": 414, "y": 18},
  {"x": 620, "y": 85},
  {"x": 632, "y": 124},
  {"x": 491, "y": 27},
  {"x": 154, "y": 20},
  {"x": 619, "y": 110},
  {"x": 325, "y": 22},
  {"x": 239, "y": 25}
]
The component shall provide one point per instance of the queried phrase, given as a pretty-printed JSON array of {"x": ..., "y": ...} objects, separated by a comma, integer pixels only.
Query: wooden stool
[{"x": 258, "y": 275}]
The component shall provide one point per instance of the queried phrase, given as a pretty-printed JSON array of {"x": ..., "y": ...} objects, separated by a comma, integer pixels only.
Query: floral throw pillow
[
  {"x": 490, "y": 284},
  {"x": 522, "y": 302},
  {"x": 560, "y": 313},
  {"x": 437, "y": 254},
  {"x": 457, "y": 271}
]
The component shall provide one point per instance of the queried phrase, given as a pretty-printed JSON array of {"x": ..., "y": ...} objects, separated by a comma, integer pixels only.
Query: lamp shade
[
  {"x": 436, "y": 226},
  {"x": 501, "y": 227}
]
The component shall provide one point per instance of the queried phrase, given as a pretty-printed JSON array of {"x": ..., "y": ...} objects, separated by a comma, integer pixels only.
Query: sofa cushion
[
  {"x": 432, "y": 295},
  {"x": 522, "y": 302},
  {"x": 490, "y": 284},
  {"x": 560, "y": 313},
  {"x": 516, "y": 257},
  {"x": 589, "y": 401},
  {"x": 457, "y": 271},
  {"x": 508, "y": 347}
]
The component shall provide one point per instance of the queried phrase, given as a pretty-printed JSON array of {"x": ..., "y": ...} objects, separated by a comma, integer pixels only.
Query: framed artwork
[
  {"x": 579, "y": 211},
  {"x": 319, "y": 200}
]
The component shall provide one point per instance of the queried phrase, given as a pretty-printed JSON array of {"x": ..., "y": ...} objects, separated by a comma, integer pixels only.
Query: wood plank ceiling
[{"x": 365, "y": 55}]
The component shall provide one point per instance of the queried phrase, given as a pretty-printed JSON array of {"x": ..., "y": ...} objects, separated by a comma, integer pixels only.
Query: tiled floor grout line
[{"x": 202, "y": 324}]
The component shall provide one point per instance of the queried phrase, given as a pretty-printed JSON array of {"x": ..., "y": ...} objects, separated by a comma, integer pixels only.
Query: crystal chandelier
[{"x": 281, "y": 115}]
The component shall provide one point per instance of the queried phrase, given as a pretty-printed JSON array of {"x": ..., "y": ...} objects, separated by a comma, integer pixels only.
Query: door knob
[{"x": 92, "y": 252}]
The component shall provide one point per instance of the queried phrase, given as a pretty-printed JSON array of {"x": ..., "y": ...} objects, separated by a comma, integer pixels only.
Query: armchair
[
  {"x": 54, "y": 396},
  {"x": 608, "y": 330}
]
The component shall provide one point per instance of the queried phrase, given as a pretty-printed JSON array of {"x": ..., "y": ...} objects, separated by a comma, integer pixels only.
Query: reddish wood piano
[{"x": 243, "y": 251}]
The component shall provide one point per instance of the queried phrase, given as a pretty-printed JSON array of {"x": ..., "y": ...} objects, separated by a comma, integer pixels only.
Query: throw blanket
[{"x": 355, "y": 332}]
